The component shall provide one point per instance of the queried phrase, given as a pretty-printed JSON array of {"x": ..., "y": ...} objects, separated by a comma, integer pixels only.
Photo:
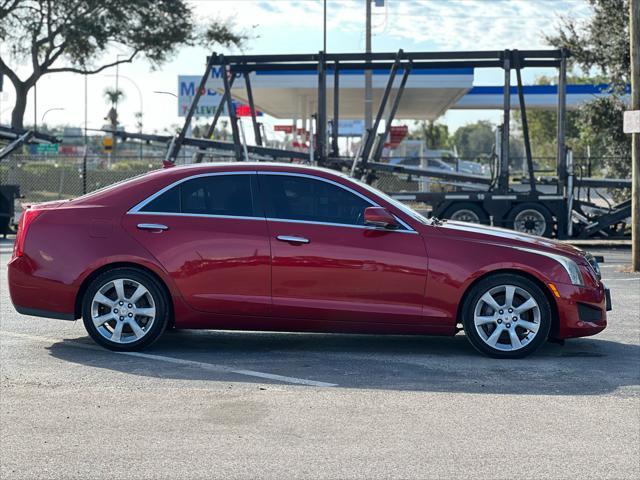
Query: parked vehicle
[
  {"x": 288, "y": 248},
  {"x": 434, "y": 163},
  {"x": 472, "y": 167}
]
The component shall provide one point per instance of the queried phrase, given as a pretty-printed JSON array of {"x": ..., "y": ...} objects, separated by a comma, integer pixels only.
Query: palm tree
[{"x": 112, "y": 95}]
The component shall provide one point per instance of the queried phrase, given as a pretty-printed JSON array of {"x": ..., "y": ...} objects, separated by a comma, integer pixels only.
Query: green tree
[
  {"x": 543, "y": 126},
  {"x": 602, "y": 44},
  {"x": 475, "y": 139},
  {"x": 54, "y": 36},
  {"x": 435, "y": 135}
]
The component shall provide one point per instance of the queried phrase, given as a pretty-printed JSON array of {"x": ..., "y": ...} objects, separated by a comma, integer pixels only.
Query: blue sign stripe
[{"x": 546, "y": 90}]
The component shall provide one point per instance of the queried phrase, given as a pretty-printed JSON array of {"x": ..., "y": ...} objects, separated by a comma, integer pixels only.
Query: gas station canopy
[{"x": 293, "y": 94}]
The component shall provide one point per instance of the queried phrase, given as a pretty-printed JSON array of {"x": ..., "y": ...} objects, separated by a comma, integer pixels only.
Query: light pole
[
  {"x": 634, "y": 39},
  {"x": 324, "y": 28},
  {"x": 118, "y": 77},
  {"x": 368, "y": 97},
  {"x": 136, "y": 87},
  {"x": 162, "y": 92},
  {"x": 50, "y": 110},
  {"x": 141, "y": 104}
]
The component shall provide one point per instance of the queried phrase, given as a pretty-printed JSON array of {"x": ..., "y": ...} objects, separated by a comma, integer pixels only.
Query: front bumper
[{"x": 581, "y": 311}]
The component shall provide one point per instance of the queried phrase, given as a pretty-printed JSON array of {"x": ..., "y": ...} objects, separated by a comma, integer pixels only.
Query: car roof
[{"x": 198, "y": 168}]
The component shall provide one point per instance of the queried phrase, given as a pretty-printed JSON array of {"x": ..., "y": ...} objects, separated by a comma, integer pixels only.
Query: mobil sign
[
  {"x": 209, "y": 100},
  {"x": 187, "y": 86}
]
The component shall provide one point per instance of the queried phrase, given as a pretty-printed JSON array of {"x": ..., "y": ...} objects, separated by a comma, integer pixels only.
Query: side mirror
[{"x": 379, "y": 217}]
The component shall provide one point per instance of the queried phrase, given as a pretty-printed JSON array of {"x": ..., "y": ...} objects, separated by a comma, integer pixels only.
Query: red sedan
[{"x": 288, "y": 248}]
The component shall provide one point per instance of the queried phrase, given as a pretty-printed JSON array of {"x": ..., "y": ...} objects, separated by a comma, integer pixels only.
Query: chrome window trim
[
  {"x": 339, "y": 185},
  {"x": 136, "y": 208},
  {"x": 201, "y": 215},
  {"x": 362, "y": 227}
]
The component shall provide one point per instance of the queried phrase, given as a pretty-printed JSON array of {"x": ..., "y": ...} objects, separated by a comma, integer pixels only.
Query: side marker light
[{"x": 554, "y": 290}]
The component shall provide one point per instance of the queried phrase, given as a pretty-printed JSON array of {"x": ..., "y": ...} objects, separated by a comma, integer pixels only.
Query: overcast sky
[{"x": 282, "y": 26}]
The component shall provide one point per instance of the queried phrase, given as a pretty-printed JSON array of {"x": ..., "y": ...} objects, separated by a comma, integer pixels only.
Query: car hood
[{"x": 507, "y": 238}]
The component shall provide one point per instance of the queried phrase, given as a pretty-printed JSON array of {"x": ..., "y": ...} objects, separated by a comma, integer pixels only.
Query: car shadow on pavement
[{"x": 413, "y": 363}]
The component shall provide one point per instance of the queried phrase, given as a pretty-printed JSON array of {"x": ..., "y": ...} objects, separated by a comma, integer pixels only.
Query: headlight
[
  {"x": 569, "y": 265},
  {"x": 593, "y": 263}
]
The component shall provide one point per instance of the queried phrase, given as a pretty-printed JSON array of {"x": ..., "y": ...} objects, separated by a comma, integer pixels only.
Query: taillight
[{"x": 28, "y": 216}]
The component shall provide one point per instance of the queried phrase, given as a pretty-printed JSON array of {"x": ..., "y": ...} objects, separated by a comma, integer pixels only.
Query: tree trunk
[{"x": 17, "y": 115}]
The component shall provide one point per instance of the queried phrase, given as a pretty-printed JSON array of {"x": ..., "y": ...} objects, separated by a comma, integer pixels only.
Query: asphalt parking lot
[{"x": 228, "y": 405}]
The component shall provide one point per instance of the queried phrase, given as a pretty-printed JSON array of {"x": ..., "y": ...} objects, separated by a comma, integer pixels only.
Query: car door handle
[
  {"x": 152, "y": 226},
  {"x": 292, "y": 239}
]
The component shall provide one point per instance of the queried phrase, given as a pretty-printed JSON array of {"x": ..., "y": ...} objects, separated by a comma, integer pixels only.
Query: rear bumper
[
  {"x": 581, "y": 311},
  {"x": 38, "y": 296},
  {"x": 34, "y": 312}
]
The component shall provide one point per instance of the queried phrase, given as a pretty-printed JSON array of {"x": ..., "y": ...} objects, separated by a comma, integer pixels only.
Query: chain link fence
[{"x": 43, "y": 178}]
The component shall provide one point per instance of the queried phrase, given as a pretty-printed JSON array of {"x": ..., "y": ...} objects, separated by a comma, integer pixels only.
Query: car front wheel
[
  {"x": 506, "y": 316},
  {"x": 125, "y": 309}
]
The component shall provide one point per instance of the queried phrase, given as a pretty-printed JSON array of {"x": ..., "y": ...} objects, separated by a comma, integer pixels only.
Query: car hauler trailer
[
  {"x": 14, "y": 139},
  {"x": 559, "y": 213}
]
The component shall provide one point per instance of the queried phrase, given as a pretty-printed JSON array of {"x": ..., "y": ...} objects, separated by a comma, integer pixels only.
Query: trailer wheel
[
  {"x": 466, "y": 212},
  {"x": 532, "y": 219}
]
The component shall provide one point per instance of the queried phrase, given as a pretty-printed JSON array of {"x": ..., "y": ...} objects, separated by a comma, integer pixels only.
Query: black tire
[
  {"x": 496, "y": 281},
  {"x": 467, "y": 209},
  {"x": 160, "y": 303},
  {"x": 527, "y": 217}
]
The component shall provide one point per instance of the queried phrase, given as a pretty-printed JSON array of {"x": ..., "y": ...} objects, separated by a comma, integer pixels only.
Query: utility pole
[
  {"x": 324, "y": 28},
  {"x": 634, "y": 44},
  {"x": 368, "y": 94},
  {"x": 35, "y": 107}
]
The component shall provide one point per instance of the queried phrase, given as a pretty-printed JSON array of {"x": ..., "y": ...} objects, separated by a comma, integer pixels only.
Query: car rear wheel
[
  {"x": 125, "y": 309},
  {"x": 506, "y": 316}
]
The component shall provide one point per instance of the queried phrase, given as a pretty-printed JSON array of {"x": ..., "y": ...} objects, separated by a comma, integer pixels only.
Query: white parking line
[
  {"x": 608, "y": 280},
  {"x": 179, "y": 361}
]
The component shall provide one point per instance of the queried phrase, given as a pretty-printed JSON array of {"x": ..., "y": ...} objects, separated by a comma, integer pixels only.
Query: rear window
[{"x": 113, "y": 186}]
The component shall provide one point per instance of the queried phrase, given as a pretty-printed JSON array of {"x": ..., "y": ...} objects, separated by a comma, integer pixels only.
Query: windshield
[{"x": 399, "y": 205}]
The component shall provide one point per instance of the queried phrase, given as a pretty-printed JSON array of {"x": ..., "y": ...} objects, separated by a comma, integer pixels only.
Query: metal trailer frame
[
  {"x": 8, "y": 193},
  {"x": 499, "y": 202}
]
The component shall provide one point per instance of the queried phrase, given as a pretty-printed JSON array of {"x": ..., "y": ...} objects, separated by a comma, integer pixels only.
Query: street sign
[
  {"x": 631, "y": 121},
  {"x": 107, "y": 144},
  {"x": 283, "y": 128},
  {"x": 47, "y": 148}
]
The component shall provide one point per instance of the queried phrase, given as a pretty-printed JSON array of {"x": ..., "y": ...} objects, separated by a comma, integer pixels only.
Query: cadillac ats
[{"x": 278, "y": 247}]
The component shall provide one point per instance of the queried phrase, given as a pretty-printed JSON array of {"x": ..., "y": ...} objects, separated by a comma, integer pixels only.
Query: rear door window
[{"x": 217, "y": 195}]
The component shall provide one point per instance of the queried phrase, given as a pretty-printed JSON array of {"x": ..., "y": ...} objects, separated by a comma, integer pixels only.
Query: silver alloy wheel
[
  {"x": 507, "y": 317},
  {"x": 465, "y": 215},
  {"x": 530, "y": 221},
  {"x": 123, "y": 310}
]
